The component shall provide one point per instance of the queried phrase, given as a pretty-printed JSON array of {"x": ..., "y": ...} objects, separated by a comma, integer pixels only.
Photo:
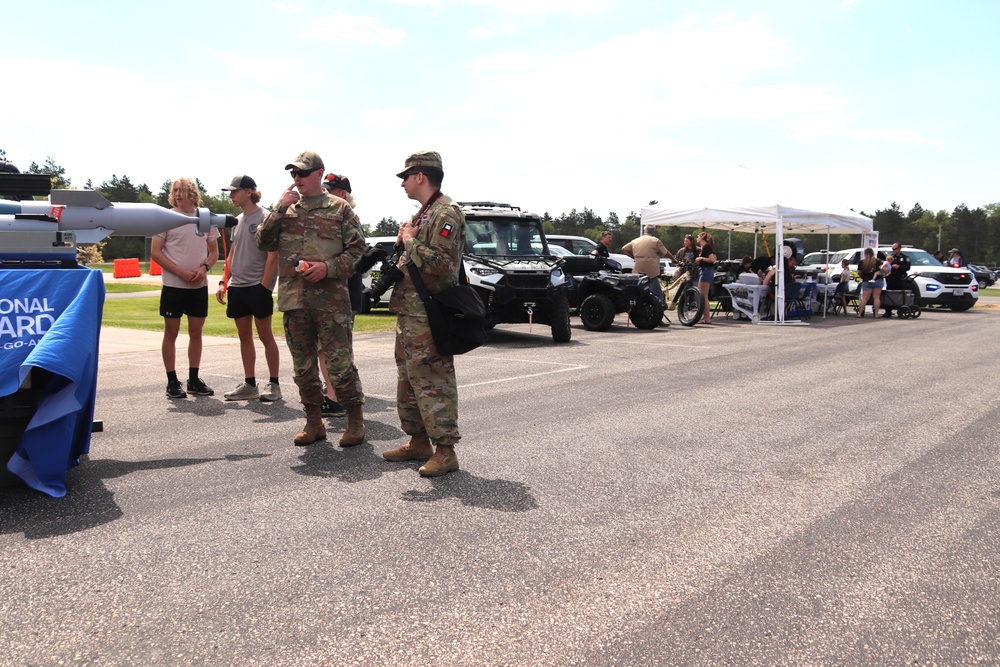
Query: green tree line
[{"x": 975, "y": 231}]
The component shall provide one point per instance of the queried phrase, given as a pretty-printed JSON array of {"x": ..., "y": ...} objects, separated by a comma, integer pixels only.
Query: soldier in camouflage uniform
[
  {"x": 426, "y": 389},
  {"x": 312, "y": 227}
]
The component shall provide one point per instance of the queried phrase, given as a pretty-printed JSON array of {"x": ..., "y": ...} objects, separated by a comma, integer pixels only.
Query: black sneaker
[
  {"x": 174, "y": 390},
  {"x": 197, "y": 386},
  {"x": 332, "y": 409}
]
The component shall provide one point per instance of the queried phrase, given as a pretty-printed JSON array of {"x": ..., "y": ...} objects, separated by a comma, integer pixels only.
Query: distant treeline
[{"x": 976, "y": 232}]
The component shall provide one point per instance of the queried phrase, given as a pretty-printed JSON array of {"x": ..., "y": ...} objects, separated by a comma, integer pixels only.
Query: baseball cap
[
  {"x": 306, "y": 160},
  {"x": 243, "y": 182},
  {"x": 422, "y": 159},
  {"x": 337, "y": 182}
]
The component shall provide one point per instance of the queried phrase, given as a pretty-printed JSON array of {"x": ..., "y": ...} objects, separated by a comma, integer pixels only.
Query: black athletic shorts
[
  {"x": 177, "y": 301},
  {"x": 254, "y": 300}
]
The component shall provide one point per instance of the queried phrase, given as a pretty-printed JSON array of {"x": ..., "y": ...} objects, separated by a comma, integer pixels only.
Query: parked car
[
  {"x": 939, "y": 285},
  {"x": 984, "y": 276},
  {"x": 581, "y": 245}
]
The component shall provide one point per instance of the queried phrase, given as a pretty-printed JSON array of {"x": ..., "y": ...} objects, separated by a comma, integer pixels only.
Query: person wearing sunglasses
[
  {"x": 318, "y": 240},
  {"x": 426, "y": 388}
]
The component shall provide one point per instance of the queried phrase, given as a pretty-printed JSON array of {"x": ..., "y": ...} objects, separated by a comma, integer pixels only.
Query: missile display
[{"x": 91, "y": 217}]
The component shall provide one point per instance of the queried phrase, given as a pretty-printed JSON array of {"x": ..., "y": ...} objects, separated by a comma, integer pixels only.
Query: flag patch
[{"x": 447, "y": 229}]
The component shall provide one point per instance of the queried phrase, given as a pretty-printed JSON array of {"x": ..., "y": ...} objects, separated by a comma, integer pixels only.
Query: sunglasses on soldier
[{"x": 302, "y": 173}]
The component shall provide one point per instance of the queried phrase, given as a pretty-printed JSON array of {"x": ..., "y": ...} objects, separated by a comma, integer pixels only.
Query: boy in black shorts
[{"x": 252, "y": 275}]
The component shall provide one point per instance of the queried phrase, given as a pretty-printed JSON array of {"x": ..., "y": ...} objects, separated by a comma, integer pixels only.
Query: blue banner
[{"x": 51, "y": 319}]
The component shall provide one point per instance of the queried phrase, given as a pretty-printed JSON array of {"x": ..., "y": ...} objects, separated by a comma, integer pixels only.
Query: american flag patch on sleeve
[{"x": 447, "y": 229}]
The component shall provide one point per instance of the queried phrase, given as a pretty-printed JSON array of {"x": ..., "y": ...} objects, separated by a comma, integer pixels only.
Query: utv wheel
[
  {"x": 647, "y": 313},
  {"x": 561, "y": 332},
  {"x": 597, "y": 312},
  {"x": 691, "y": 306}
]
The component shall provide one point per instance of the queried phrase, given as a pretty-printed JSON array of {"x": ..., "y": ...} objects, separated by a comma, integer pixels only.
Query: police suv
[{"x": 939, "y": 285}]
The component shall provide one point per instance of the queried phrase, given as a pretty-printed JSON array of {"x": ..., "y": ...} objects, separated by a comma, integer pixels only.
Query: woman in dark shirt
[
  {"x": 705, "y": 262},
  {"x": 871, "y": 282}
]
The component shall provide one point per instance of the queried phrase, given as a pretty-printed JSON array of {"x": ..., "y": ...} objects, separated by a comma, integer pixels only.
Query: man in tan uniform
[{"x": 647, "y": 251}]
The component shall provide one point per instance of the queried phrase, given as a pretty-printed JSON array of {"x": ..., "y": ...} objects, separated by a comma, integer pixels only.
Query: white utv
[{"x": 507, "y": 260}]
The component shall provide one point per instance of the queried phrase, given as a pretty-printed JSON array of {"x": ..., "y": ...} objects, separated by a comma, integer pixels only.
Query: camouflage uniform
[
  {"x": 321, "y": 228},
  {"x": 426, "y": 389}
]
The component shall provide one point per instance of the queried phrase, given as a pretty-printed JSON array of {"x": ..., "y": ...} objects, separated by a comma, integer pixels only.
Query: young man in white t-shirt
[
  {"x": 186, "y": 259},
  {"x": 252, "y": 275}
]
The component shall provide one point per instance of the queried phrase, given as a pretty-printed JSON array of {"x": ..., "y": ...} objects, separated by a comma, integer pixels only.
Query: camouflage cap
[
  {"x": 425, "y": 159},
  {"x": 306, "y": 160}
]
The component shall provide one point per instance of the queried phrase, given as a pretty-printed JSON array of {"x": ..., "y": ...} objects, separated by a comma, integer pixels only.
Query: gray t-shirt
[{"x": 246, "y": 260}]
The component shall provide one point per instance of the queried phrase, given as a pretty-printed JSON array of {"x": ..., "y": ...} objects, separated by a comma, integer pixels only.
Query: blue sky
[{"x": 546, "y": 104}]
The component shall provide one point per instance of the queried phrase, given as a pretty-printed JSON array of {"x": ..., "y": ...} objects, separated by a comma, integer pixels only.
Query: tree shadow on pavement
[{"x": 88, "y": 503}]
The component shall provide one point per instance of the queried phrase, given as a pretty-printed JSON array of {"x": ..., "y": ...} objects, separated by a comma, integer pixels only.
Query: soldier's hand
[
  {"x": 220, "y": 296},
  {"x": 289, "y": 196},
  {"x": 315, "y": 273},
  {"x": 407, "y": 231}
]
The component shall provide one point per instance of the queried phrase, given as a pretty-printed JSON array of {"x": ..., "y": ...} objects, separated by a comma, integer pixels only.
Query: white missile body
[{"x": 91, "y": 217}]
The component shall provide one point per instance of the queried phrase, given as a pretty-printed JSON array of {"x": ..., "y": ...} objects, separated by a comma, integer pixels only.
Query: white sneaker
[
  {"x": 272, "y": 392},
  {"x": 243, "y": 392}
]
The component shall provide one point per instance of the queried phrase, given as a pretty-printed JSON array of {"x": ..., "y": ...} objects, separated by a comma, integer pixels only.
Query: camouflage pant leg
[
  {"x": 426, "y": 389},
  {"x": 335, "y": 331},
  {"x": 300, "y": 335}
]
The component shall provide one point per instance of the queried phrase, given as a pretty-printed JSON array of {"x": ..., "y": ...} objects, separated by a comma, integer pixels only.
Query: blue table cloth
[{"x": 51, "y": 319}]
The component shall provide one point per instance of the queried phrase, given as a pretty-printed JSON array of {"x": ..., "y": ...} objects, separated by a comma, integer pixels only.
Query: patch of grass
[
  {"x": 991, "y": 291},
  {"x": 122, "y": 288},
  {"x": 144, "y": 313}
]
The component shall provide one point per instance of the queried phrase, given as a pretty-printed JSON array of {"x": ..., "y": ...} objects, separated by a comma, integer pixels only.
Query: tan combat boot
[
  {"x": 354, "y": 434},
  {"x": 314, "y": 429},
  {"x": 419, "y": 448},
  {"x": 443, "y": 462}
]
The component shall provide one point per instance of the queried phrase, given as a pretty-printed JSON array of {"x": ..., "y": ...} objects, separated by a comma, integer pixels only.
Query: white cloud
[
  {"x": 433, "y": 4},
  {"x": 358, "y": 29},
  {"x": 490, "y": 30},
  {"x": 542, "y": 7}
]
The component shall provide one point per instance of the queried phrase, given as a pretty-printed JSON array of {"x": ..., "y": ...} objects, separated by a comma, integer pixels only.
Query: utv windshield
[{"x": 505, "y": 237}]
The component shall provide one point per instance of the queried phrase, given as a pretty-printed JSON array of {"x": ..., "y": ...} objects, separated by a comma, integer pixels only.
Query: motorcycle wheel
[{"x": 691, "y": 306}]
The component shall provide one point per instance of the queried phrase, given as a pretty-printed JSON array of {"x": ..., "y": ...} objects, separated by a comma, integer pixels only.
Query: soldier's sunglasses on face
[{"x": 302, "y": 173}]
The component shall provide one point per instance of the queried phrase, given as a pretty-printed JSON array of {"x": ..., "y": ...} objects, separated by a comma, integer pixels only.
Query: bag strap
[{"x": 418, "y": 281}]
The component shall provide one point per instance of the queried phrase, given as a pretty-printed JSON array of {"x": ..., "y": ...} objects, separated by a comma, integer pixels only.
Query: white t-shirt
[{"x": 186, "y": 249}]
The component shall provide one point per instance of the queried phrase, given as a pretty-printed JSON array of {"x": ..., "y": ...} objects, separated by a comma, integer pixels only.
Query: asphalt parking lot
[{"x": 724, "y": 495}]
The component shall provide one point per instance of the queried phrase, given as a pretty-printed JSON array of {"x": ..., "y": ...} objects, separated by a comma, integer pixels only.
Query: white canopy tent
[{"x": 765, "y": 219}]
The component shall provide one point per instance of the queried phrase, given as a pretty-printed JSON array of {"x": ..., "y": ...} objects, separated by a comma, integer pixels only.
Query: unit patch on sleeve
[{"x": 446, "y": 229}]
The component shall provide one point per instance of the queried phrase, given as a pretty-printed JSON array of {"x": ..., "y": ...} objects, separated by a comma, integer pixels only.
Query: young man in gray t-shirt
[{"x": 252, "y": 275}]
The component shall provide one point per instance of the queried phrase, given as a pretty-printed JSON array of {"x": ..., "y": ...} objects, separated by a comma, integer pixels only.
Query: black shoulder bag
[{"x": 456, "y": 315}]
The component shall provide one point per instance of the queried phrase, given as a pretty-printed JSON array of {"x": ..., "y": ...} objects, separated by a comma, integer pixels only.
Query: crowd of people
[
  {"x": 308, "y": 246},
  {"x": 877, "y": 272}
]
